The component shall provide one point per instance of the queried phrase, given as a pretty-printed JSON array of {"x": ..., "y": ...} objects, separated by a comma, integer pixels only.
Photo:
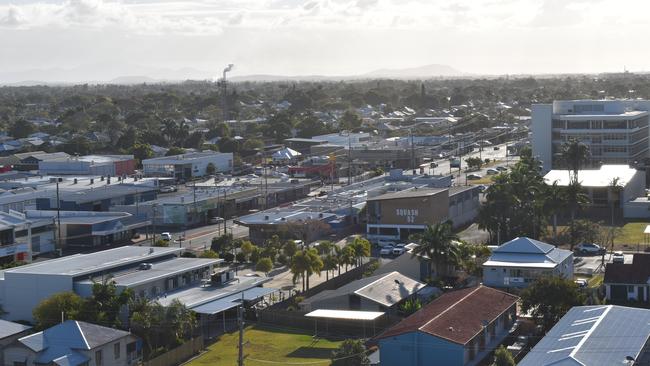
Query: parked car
[
  {"x": 482, "y": 188},
  {"x": 581, "y": 283},
  {"x": 168, "y": 189},
  {"x": 166, "y": 236},
  {"x": 384, "y": 243},
  {"x": 492, "y": 171},
  {"x": 618, "y": 257},
  {"x": 501, "y": 168},
  {"x": 399, "y": 249},
  {"x": 589, "y": 248},
  {"x": 474, "y": 176},
  {"x": 496, "y": 148},
  {"x": 216, "y": 220},
  {"x": 387, "y": 250}
]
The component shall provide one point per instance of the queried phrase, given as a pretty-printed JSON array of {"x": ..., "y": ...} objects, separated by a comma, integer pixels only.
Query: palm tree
[
  {"x": 575, "y": 154},
  {"x": 299, "y": 265},
  {"x": 361, "y": 249},
  {"x": 614, "y": 194},
  {"x": 182, "y": 132},
  {"x": 347, "y": 256},
  {"x": 329, "y": 264},
  {"x": 436, "y": 245},
  {"x": 169, "y": 130},
  {"x": 555, "y": 203},
  {"x": 575, "y": 198}
]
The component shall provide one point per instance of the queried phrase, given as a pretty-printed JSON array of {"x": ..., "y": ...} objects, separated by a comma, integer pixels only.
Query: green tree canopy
[
  {"x": 50, "y": 311},
  {"x": 549, "y": 298},
  {"x": 264, "y": 265},
  {"x": 351, "y": 352}
]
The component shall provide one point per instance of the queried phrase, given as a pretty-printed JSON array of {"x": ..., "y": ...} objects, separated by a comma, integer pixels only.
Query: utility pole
[
  {"x": 412, "y": 152},
  {"x": 240, "y": 358},
  {"x": 58, "y": 215},
  {"x": 153, "y": 223},
  {"x": 225, "y": 220},
  {"x": 349, "y": 160}
]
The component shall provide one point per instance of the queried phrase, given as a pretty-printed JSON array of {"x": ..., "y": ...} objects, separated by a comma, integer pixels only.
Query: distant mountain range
[{"x": 135, "y": 74}]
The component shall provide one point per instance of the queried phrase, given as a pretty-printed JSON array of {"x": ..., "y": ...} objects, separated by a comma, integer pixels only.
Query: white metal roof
[
  {"x": 520, "y": 264},
  {"x": 345, "y": 314},
  {"x": 593, "y": 178}
]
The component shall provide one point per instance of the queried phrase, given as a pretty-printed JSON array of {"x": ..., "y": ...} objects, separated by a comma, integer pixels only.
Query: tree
[
  {"x": 141, "y": 152},
  {"x": 411, "y": 306},
  {"x": 305, "y": 263},
  {"x": 549, "y": 298},
  {"x": 349, "y": 121},
  {"x": 65, "y": 305},
  {"x": 209, "y": 254},
  {"x": 474, "y": 163},
  {"x": 361, "y": 249},
  {"x": 175, "y": 150},
  {"x": 503, "y": 357},
  {"x": 105, "y": 304},
  {"x": 161, "y": 243},
  {"x": 21, "y": 129},
  {"x": 554, "y": 203},
  {"x": 351, "y": 352},
  {"x": 436, "y": 246},
  {"x": 222, "y": 243},
  {"x": 246, "y": 248},
  {"x": 290, "y": 248},
  {"x": 575, "y": 198},
  {"x": 329, "y": 264},
  {"x": 264, "y": 265},
  {"x": 575, "y": 155}
]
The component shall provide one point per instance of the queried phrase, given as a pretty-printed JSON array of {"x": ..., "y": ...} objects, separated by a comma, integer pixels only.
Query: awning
[
  {"x": 345, "y": 314},
  {"x": 231, "y": 301}
]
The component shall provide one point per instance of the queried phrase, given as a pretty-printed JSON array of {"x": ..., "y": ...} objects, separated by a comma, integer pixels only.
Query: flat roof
[
  {"x": 167, "y": 268},
  {"x": 82, "y": 264},
  {"x": 184, "y": 158},
  {"x": 198, "y": 295},
  {"x": 345, "y": 314},
  {"x": 593, "y": 178},
  {"x": 410, "y": 193},
  {"x": 281, "y": 217}
]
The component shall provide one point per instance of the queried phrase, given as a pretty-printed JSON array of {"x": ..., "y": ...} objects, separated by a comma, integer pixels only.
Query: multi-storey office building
[{"x": 616, "y": 131}]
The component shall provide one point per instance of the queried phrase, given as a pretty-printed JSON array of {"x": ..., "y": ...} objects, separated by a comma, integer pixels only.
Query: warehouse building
[
  {"x": 188, "y": 166},
  {"x": 107, "y": 165}
]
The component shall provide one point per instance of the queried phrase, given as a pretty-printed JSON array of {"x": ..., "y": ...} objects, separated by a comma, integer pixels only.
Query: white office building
[{"x": 616, "y": 131}]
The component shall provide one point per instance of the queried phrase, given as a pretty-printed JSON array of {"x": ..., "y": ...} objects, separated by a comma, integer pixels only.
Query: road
[{"x": 201, "y": 237}]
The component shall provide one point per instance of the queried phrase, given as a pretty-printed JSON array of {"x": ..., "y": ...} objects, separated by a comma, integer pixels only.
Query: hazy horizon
[{"x": 106, "y": 39}]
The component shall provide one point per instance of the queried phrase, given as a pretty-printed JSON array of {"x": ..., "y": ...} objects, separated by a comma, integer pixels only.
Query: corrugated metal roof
[
  {"x": 594, "y": 336},
  {"x": 232, "y": 301}
]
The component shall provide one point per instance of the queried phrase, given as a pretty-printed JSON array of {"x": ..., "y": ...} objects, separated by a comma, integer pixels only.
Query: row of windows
[{"x": 599, "y": 124}]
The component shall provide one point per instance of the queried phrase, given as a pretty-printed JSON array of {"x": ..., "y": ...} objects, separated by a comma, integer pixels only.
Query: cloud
[{"x": 13, "y": 18}]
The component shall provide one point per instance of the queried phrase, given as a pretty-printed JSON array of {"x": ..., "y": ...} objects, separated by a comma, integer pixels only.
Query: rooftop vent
[
  {"x": 74, "y": 181},
  {"x": 266, "y": 217}
]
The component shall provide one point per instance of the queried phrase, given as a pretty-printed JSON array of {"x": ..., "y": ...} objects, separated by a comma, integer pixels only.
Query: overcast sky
[{"x": 325, "y": 37}]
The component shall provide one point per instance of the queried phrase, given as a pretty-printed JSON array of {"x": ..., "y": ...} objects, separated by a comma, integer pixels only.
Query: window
[
  {"x": 630, "y": 289},
  {"x": 116, "y": 350},
  {"x": 98, "y": 358}
]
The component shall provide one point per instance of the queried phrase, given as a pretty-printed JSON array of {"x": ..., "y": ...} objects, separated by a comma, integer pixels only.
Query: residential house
[
  {"x": 600, "y": 335},
  {"x": 384, "y": 292},
  {"x": 459, "y": 328},
  {"x": 521, "y": 261},
  {"x": 9, "y": 333},
  {"x": 628, "y": 281},
  {"x": 75, "y": 343}
]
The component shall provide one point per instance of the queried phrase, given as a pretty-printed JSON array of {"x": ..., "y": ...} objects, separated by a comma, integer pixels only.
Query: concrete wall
[
  {"x": 23, "y": 291},
  {"x": 542, "y": 115}
]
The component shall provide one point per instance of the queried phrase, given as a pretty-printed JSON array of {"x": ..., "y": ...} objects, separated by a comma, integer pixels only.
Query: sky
[{"x": 158, "y": 38}]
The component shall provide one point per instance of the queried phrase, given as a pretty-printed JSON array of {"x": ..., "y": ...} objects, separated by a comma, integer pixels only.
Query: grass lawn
[
  {"x": 269, "y": 345},
  {"x": 631, "y": 234}
]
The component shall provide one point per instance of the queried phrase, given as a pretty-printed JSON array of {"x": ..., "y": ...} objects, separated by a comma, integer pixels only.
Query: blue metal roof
[
  {"x": 231, "y": 301},
  {"x": 594, "y": 336}
]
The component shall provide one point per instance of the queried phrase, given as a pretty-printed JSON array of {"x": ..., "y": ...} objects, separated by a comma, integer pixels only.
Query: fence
[{"x": 179, "y": 354}]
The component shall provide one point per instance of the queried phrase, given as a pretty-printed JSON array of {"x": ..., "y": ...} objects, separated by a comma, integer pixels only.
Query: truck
[{"x": 454, "y": 162}]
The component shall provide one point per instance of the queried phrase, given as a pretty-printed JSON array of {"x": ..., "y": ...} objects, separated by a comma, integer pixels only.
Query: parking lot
[{"x": 589, "y": 265}]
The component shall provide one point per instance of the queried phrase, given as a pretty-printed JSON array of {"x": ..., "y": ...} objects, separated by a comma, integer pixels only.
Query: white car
[
  {"x": 492, "y": 171},
  {"x": 168, "y": 189},
  {"x": 387, "y": 250},
  {"x": 618, "y": 257},
  {"x": 166, "y": 236},
  {"x": 399, "y": 249}
]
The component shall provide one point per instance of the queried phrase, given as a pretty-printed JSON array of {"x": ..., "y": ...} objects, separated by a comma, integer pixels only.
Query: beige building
[{"x": 395, "y": 216}]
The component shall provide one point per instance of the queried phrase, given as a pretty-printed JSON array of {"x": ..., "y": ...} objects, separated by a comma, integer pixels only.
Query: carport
[{"x": 360, "y": 316}]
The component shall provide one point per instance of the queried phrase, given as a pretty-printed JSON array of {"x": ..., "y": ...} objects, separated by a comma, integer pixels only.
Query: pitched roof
[
  {"x": 385, "y": 289},
  {"x": 594, "y": 336},
  {"x": 526, "y": 252},
  {"x": 8, "y": 329},
  {"x": 456, "y": 316},
  {"x": 637, "y": 272},
  {"x": 58, "y": 343}
]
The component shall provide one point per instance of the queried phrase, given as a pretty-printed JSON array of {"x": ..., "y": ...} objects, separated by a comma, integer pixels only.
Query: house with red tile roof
[{"x": 459, "y": 328}]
